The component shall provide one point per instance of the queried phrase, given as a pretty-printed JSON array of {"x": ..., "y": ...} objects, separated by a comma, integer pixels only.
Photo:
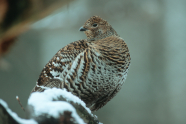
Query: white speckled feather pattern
[{"x": 93, "y": 69}]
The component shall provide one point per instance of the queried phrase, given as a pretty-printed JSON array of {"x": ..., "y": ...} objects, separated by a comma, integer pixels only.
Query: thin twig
[{"x": 20, "y": 103}]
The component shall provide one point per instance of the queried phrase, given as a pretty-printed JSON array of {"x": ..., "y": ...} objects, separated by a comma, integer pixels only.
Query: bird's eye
[{"x": 95, "y": 25}]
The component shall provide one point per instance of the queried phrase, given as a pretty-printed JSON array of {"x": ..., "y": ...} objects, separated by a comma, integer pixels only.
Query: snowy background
[{"x": 155, "y": 31}]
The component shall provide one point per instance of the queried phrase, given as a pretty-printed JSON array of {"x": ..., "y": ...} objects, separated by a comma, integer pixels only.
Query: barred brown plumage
[{"x": 93, "y": 69}]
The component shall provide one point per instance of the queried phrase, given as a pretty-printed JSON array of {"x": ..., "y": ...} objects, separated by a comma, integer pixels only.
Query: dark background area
[{"x": 155, "y": 32}]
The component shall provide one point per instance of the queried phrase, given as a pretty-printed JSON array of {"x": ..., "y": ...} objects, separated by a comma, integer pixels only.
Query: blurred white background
[{"x": 155, "y": 31}]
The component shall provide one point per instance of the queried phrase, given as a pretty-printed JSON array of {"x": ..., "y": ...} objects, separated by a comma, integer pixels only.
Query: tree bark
[{"x": 16, "y": 16}]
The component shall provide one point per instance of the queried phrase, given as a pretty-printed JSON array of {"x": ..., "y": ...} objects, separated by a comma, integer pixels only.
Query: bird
[{"x": 93, "y": 69}]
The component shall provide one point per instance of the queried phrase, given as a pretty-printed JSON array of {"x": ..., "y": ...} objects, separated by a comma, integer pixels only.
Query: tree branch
[
  {"x": 53, "y": 106},
  {"x": 17, "y": 15}
]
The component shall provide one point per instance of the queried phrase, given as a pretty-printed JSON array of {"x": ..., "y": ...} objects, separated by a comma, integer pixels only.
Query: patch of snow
[
  {"x": 43, "y": 87},
  {"x": 15, "y": 116},
  {"x": 42, "y": 103}
]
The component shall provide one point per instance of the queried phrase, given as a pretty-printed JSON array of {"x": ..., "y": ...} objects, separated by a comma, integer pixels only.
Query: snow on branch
[
  {"x": 9, "y": 117},
  {"x": 53, "y": 106}
]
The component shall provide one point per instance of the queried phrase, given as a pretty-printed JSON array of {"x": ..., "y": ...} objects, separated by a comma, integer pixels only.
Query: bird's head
[{"x": 96, "y": 28}]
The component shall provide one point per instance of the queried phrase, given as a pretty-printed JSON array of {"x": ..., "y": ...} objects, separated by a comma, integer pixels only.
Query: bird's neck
[{"x": 108, "y": 33}]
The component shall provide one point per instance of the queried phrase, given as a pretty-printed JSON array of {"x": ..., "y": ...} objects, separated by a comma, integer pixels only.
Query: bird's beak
[{"x": 83, "y": 29}]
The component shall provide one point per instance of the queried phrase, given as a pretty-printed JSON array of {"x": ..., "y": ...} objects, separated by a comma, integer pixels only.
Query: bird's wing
[
  {"x": 62, "y": 60},
  {"x": 103, "y": 100}
]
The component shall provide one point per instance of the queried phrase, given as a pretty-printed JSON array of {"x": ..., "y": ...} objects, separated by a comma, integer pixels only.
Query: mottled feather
[{"x": 93, "y": 69}]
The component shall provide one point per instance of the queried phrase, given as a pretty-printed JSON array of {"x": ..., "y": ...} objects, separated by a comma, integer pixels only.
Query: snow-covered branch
[{"x": 53, "y": 106}]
